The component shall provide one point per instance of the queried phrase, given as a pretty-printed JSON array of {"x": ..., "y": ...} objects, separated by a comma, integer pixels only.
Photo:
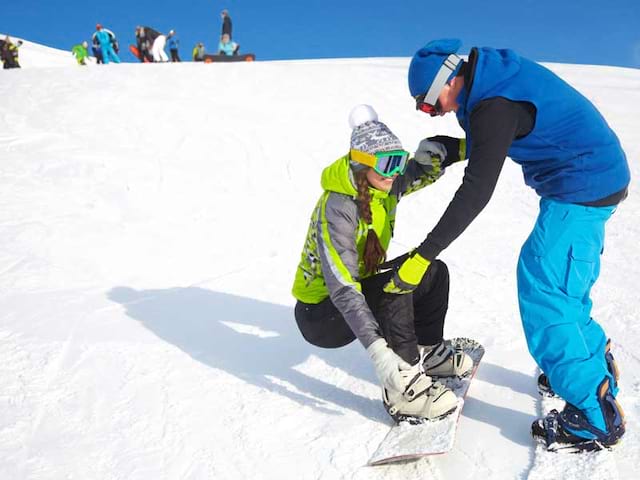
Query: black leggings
[{"x": 404, "y": 320}]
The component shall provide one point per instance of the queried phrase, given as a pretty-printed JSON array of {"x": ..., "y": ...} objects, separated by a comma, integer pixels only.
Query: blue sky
[{"x": 586, "y": 31}]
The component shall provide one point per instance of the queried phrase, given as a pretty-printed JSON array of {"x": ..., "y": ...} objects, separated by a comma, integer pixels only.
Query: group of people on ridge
[
  {"x": 226, "y": 46},
  {"x": 104, "y": 45},
  {"x": 151, "y": 44},
  {"x": 345, "y": 289}
]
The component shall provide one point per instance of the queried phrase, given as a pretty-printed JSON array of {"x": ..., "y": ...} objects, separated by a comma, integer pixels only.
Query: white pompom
[{"x": 361, "y": 114}]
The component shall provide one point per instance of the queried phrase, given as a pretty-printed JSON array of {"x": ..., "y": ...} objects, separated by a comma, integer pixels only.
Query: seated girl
[{"x": 339, "y": 285}]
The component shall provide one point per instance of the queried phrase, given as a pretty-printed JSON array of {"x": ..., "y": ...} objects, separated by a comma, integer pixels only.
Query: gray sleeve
[{"x": 339, "y": 260}]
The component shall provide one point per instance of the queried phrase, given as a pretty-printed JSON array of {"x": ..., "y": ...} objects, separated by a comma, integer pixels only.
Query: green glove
[{"x": 409, "y": 275}]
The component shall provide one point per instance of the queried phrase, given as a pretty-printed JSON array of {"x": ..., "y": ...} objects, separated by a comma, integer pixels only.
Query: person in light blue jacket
[
  {"x": 106, "y": 38},
  {"x": 227, "y": 47}
]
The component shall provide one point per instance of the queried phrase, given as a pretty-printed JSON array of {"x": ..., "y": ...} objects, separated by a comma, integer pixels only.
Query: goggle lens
[
  {"x": 389, "y": 164},
  {"x": 427, "y": 108}
]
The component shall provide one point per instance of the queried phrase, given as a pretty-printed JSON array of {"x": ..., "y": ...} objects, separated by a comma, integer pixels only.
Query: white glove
[
  {"x": 388, "y": 365},
  {"x": 430, "y": 152}
]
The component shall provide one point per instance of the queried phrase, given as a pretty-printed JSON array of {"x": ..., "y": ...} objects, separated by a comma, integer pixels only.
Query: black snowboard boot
[{"x": 570, "y": 431}]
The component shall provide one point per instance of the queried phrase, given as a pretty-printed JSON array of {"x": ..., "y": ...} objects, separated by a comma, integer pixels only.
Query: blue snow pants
[
  {"x": 558, "y": 265},
  {"x": 109, "y": 54}
]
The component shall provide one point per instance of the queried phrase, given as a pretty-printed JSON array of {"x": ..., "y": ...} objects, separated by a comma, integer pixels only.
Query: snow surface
[
  {"x": 151, "y": 220},
  {"x": 34, "y": 55}
]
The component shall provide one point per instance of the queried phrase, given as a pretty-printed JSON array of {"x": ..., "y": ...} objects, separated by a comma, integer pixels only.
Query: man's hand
[
  {"x": 431, "y": 154},
  {"x": 409, "y": 275},
  {"x": 455, "y": 148}
]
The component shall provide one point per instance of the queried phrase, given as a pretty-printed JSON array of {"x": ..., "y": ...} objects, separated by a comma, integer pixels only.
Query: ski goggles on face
[
  {"x": 428, "y": 101},
  {"x": 386, "y": 164},
  {"x": 433, "y": 110}
]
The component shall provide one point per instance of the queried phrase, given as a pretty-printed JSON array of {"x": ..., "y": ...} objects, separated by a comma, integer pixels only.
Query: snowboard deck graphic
[
  {"x": 406, "y": 441},
  {"x": 247, "y": 57}
]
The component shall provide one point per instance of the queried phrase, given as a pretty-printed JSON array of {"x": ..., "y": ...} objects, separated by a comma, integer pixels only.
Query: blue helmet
[{"x": 432, "y": 67}]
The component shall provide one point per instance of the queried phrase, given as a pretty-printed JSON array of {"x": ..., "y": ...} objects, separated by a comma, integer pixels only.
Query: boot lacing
[{"x": 421, "y": 383}]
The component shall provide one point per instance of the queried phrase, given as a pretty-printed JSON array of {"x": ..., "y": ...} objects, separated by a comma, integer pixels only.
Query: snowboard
[
  {"x": 409, "y": 441},
  {"x": 247, "y": 57},
  {"x": 136, "y": 53}
]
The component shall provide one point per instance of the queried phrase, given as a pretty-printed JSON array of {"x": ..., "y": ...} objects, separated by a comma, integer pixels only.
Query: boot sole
[
  {"x": 586, "y": 446},
  {"x": 398, "y": 418}
]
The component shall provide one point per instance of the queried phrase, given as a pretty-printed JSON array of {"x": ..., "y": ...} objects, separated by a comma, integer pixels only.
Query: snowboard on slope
[
  {"x": 247, "y": 57},
  {"x": 549, "y": 464},
  {"x": 406, "y": 441}
]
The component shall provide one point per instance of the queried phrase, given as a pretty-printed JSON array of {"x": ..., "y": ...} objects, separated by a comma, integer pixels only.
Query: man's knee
[
  {"x": 442, "y": 271},
  {"x": 436, "y": 278}
]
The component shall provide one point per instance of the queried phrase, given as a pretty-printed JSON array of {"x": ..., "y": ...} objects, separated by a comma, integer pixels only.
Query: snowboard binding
[{"x": 570, "y": 430}]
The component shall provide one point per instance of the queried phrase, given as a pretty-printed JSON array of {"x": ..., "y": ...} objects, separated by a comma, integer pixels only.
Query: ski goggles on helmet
[
  {"x": 428, "y": 101},
  {"x": 386, "y": 164}
]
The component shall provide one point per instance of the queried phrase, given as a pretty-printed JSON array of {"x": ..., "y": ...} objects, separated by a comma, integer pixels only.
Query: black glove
[{"x": 455, "y": 148}]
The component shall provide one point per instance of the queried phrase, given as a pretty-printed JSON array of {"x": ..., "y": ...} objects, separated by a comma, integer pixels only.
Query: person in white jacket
[{"x": 157, "y": 50}]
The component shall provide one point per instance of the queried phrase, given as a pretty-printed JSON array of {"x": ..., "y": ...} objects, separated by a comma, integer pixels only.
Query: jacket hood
[{"x": 338, "y": 178}]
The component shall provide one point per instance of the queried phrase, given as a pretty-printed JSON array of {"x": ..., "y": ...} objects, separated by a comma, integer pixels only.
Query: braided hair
[{"x": 374, "y": 254}]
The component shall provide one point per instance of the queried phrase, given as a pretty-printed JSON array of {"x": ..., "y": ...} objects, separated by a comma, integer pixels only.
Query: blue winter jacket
[
  {"x": 571, "y": 155},
  {"x": 227, "y": 48},
  {"x": 173, "y": 42},
  {"x": 103, "y": 37}
]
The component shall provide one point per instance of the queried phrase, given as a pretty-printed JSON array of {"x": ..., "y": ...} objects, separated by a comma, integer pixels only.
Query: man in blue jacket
[{"x": 511, "y": 106}]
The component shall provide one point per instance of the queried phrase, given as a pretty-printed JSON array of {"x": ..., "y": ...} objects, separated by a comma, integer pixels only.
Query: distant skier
[
  {"x": 227, "y": 47},
  {"x": 145, "y": 36},
  {"x": 226, "y": 24},
  {"x": 80, "y": 52},
  {"x": 97, "y": 51},
  {"x": 157, "y": 49},
  {"x": 9, "y": 53},
  {"x": 106, "y": 40},
  {"x": 197, "y": 55},
  {"x": 339, "y": 290},
  {"x": 172, "y": 40},
  {"x": 508, "y": 105}
]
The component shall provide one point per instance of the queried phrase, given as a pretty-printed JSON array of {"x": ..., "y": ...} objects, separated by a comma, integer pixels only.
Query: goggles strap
[
  {"x": 363, "y": 158},
  {"x": 448, "y": 67}
]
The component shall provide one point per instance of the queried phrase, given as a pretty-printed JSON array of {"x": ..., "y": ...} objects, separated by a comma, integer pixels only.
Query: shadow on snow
[
  {"x": 210, "y": 327},
  {"x": 201, "y": 323}
]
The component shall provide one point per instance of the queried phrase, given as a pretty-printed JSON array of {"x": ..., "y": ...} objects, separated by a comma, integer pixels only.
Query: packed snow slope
[
  {"x": 151, "y": 220},
  {"x": 34, "y": 55}
]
